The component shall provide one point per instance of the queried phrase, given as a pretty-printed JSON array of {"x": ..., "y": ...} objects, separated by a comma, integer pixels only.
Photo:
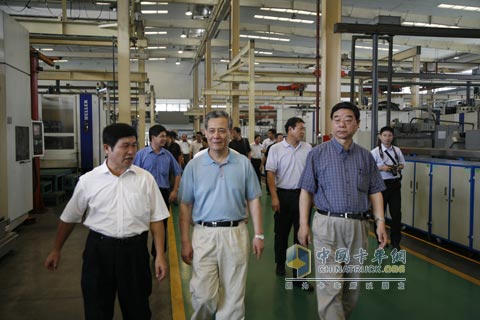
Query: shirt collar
[
  {"x": 339, "y": 148},
  {"x": 231, "y": 158},
  {"x": 288, "y": 145},
  {"x": 386, "y": 149},
  {"x": 150, "y": 150},
  {"x": 104, "y": 168}
]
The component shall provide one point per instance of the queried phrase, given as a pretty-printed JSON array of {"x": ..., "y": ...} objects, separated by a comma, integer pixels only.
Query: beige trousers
[
  {"x": 331, "y": 233},
  {"x": 219, "y": 272}
]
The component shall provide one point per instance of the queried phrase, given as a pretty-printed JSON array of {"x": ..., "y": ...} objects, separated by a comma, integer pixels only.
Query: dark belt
[
  {"x": 347, "y": 215},
  {"x": 289, "y": 190},
  {"x": 220, "y": 223},
  {"x": 108, "y": 239}
]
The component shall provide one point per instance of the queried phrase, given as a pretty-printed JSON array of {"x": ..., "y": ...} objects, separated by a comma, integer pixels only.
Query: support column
[
  {"x": 251, "y": 91},
  {"x": 195, "y": 98},
  {"x": 235, "y": 46},
  {"x": 123, "y": 63},
  {"x": 331, "y": 62},
  {"x": 152, "y": 105},
  {"x": 414, "y": 89},
  {"x": 208, "y": 75}
]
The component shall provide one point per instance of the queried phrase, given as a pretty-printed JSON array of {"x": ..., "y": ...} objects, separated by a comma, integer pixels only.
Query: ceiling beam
[
  {"x": 395, "y": 30},
  {"x": 405, "y": 54},
  {"x": 80, "y": 75}
]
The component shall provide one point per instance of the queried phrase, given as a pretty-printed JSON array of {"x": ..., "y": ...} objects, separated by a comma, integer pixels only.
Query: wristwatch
[{"x": 260, "y": 236}]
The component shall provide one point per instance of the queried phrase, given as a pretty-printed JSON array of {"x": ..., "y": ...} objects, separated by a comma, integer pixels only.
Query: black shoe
[
  {"x": 280, "y": 270},
  {"x": 304, "y": 285}
]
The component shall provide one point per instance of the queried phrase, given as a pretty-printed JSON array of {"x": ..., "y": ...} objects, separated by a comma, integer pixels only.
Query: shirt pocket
[
  {"x": 363, "y": 181},
  {"x": 138, "y": 204}
]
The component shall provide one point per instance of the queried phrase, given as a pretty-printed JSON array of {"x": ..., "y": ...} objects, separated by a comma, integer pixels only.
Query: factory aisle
[
  {"x": 438, "y": 284},
  {"x": 429, "y": 291},
  {"x": 29, "y": 291}
]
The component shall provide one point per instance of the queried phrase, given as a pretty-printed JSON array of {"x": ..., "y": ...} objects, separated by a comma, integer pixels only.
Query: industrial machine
[
  {"x": 73, "y": 127},
  {"x": 16, "y": 186}
]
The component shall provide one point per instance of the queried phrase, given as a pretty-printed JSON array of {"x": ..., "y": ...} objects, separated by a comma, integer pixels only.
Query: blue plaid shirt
[{"x": 341, "y": 180}]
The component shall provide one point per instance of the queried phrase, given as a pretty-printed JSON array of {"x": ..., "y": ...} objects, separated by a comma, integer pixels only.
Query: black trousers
[
  {"x": 116, "y": 266},
  {"x": 165, "y": 195},
  {"x": 257, "y": 163},
  {"x": 287, "y": 217},
  {"x": 392, "y": 197}
]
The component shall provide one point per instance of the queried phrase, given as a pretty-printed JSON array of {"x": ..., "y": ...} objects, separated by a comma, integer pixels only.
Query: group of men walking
[{"x": 119, "y": 202}]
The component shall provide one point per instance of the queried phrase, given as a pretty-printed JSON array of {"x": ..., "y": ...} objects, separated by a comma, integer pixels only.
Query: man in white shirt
[
  {"x": 270, "y": 139},
  {"x": 118, "y": 202},
  {"x": 185, "y": 147},
  {"x": 196, "y": 145},
  {"x": 256, "y": 157}
]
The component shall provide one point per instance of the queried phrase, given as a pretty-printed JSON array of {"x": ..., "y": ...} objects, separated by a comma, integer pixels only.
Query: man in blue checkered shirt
[{"x": 342, "y": 180}]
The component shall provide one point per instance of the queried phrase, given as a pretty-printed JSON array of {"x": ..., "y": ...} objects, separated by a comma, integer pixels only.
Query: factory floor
[{"x": 437, "y": 284}]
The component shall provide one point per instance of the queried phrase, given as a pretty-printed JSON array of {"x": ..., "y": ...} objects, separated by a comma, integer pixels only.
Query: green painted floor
[{"x": 430, "y": 292}]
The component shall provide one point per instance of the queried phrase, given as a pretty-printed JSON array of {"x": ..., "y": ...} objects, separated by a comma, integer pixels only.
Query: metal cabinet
[
  {"x": 475, "y": 230},
  {"x": 440, "y": 194},
  {"x": 415, "y": 195},
  {"x": 459, "y": 218},
  {"x": 442, "y": 198}
]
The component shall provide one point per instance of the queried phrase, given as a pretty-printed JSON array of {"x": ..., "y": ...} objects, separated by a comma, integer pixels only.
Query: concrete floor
[{"x": 29, "y": 291}]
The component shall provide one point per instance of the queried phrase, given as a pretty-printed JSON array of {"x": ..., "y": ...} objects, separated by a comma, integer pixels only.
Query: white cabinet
[
  {"x": 460, "y": 204},
  {"x": 421, "y": 200},
  {"x": 442, "y": 198},
  {"x": 415, "y": 193},
  {"x": 476, "y": 210},
  {"x": 408, "y": 193}
]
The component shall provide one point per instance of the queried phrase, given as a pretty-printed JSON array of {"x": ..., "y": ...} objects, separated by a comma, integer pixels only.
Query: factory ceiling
[{"x": 83, "y": 30}]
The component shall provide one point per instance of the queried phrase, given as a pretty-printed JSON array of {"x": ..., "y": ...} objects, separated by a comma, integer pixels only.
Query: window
[{"x": 172, "y": 105}]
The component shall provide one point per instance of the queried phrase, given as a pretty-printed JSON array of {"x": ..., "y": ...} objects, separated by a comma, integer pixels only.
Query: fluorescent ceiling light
[
  {"x": 99, "y": 3},
  {"x": 283, "y": 19},
  {"x": 156, "y": 59},
  {"x": 155, "y": 11},
  {"x": 264, "y": 52},
  {"x": 457, "y": 7},
  {"x": 152, "y": 3},
  {"x": 271, "y": 32},
  {"x": 188, "y": 12},
  {"x": 224, "y": 60},
  {"x": 156, "y": 47},
  {"x": 61, "y": 60},
  {"x": 309, "y": 13},
  {"x": 155, "y": 32},
  {"x": 177, "y": 63},
  {"x": 46, "y": 49},
  {"x": 431, "y": 25},
  {"x": 370, "y": 48},
  {"x": 180, "y": 51},
  {"x": 108, "y": 25},
  {"x": 183, "y": 35},
  {"x": 250, "y": 36}
]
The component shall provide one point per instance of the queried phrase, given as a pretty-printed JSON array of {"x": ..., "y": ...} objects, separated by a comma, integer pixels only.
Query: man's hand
[
  {"x": 258, "y": 247},
  {"x": 275, "y": 204},
  {"x": 172, "y": 197},
  {"x": 51, "y": 263},
  {"x": 187, "y": 252},
  {"x": 160, "y": 267},
  {"x": 381, "y": 234},
  {"x": 304, "y": 236}
]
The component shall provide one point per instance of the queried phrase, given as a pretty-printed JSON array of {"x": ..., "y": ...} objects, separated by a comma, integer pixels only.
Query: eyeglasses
[{"x": 217, "y": 130}]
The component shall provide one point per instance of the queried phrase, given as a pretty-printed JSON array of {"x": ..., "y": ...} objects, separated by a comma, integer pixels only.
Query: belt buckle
[
  {"x": 214, "y": 223},
  {"x": 345, "y": 215}
]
